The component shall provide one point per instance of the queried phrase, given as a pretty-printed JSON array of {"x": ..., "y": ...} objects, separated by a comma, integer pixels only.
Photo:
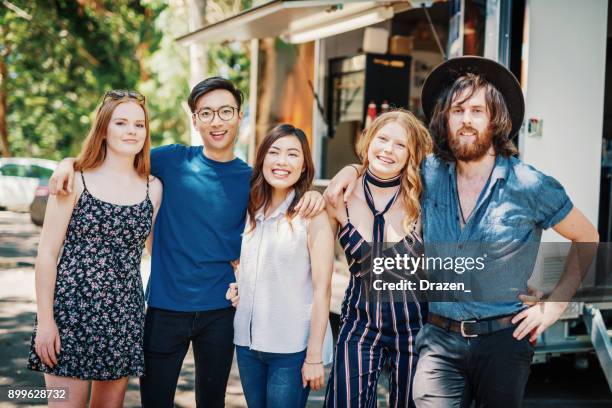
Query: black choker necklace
[
  {"x": 378, "y": 182},
  {"x": 378, "y": 234}
]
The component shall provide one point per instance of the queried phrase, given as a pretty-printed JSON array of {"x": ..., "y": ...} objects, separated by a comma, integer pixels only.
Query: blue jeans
[{"x": 272, "y": 380}]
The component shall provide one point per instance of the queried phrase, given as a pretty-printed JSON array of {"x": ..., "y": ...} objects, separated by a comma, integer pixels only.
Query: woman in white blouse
[{"x": 284, "y": 279}]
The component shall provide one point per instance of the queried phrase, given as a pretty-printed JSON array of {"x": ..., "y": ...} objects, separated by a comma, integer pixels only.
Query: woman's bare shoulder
[
  {"x": 154, "y": 181},
  {"x": 155, "y": 188}
]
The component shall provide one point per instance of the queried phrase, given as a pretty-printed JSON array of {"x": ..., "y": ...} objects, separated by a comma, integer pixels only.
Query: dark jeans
[
  {"x": 272, "y": 380},
  {"x": 490, "y": 370},
  {"x": 166, "y": 340}
]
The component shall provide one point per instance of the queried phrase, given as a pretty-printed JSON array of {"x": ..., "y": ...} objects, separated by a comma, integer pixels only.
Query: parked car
[
  {"x": 19, "y": 178},
  {"x": 39, "y": 204}
]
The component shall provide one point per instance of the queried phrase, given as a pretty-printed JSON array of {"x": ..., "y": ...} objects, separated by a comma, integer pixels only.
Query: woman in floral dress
[{"x": 90, "y": 304}]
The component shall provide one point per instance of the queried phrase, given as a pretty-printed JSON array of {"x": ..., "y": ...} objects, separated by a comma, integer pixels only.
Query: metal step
[{"x": 600, "y": 339}]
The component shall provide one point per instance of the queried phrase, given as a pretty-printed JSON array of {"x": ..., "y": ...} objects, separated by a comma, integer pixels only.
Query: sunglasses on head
[{"x": 123, "y": 93}]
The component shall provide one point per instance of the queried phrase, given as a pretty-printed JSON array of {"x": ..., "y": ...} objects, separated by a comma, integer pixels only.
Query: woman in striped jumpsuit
[{"x": 378, "y": 329}]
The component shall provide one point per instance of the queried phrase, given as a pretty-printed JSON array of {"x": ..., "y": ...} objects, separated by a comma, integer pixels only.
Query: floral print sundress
[{"x": 99, "y": 299}]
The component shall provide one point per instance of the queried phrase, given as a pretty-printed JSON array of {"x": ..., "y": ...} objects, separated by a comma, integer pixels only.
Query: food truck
[{"x": 329, "y": 66}]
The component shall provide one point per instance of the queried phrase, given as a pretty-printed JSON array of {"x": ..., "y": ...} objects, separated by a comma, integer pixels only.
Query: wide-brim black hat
[{"x": 445, "y": 74}]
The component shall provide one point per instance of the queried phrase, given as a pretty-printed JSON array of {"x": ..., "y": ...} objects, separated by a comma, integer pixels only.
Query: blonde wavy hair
[{"x": 419, "y": 145}]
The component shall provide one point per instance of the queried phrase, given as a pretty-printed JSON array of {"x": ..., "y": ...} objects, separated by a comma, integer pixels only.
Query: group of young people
[{"x": 242, "y": 258}]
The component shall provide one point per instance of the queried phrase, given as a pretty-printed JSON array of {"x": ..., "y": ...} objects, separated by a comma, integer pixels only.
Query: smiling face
[
  {"x": 126, "y": 132},
  {"x": 388, "y": 151},
  {"x": 469, "y": 126},
  {"x": 284, "y": 163},
  {"x": 217, "y": 135}
]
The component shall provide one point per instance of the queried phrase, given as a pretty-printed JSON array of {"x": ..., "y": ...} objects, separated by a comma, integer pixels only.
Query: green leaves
[
  {"x": 61, "y": 60},
  {"x": 62, "y": 55}
]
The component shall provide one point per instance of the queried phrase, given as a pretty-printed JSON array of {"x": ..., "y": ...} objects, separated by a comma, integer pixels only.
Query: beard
[{"x": 470, "y": 151}]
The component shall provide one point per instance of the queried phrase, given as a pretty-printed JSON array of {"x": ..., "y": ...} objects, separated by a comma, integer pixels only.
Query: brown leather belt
[{"x": 471, "y": 328}]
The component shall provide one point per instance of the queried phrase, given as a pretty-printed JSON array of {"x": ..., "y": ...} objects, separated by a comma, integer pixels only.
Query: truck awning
[{"x": 296, "y": 21}]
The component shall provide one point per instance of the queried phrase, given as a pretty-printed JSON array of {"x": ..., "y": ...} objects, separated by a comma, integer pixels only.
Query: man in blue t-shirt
[
  {"x": 197, "y": 235},
  {"x": 479, "y": 198}
]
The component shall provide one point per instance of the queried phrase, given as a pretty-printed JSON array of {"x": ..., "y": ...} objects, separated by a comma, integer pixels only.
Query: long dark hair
[
  {"x": 500, "y": 124},
  {"x": 261, "y": 192}
]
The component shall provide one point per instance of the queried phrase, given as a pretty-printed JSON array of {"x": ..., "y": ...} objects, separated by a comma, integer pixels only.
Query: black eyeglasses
[
  {"x": 225, "y": 113},
  {"x": 123, "y": 93}
]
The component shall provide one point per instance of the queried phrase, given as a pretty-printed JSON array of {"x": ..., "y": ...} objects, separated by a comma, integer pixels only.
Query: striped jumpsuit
[{"x": 374, "y": 334}]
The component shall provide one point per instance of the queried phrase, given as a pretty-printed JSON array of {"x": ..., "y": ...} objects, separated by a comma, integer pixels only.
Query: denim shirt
[{"x": 506, "y": 225}]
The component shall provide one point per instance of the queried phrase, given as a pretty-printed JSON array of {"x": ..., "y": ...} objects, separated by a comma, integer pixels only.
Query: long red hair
[{"x": 94, "y": 147}]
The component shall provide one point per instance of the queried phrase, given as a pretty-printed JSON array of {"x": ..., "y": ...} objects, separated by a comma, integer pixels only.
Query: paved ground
[{"x": 557, "y": 383}]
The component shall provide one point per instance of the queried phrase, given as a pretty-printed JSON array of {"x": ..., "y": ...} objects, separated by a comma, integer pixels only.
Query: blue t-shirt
[
  {"x": 505, "y": 227},
  {"x": 198, "y": 228}
]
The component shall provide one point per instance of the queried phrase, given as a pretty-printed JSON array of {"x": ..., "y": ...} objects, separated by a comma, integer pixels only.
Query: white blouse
[{"x": 275, "y": 285}]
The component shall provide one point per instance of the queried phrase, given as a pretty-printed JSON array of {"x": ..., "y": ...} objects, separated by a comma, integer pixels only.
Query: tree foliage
[
  {"x": 60, "y": 58},
  {"x": 167, "y": 88},
  {"x": 230, "y": 60}
]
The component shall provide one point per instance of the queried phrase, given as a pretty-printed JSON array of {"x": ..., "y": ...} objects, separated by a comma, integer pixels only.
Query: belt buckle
[{"x": 463, "y": 333}]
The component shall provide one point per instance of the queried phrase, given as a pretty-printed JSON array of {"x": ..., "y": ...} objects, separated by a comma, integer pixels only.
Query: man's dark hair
[
  {"x": 212, "y": 84},
  {"x": 500, "y": 125}
]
